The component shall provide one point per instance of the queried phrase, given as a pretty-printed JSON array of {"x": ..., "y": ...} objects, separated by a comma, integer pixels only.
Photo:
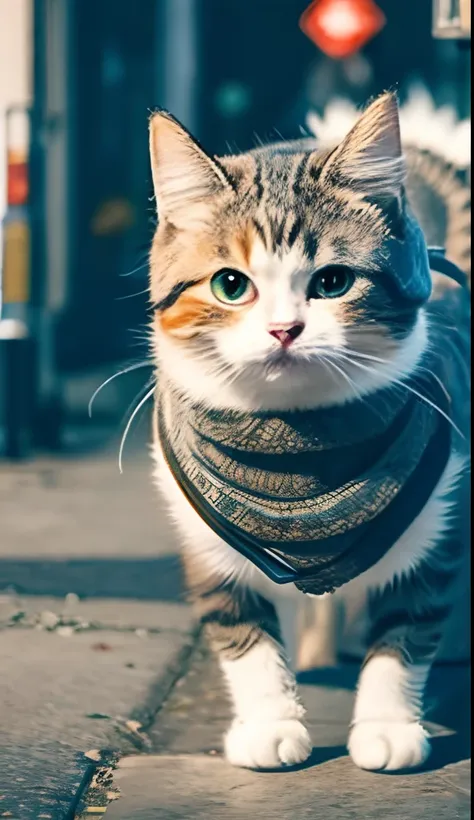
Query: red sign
[
  {"x": 342, "y": 27},
  {"x": 17, "y": 179}
]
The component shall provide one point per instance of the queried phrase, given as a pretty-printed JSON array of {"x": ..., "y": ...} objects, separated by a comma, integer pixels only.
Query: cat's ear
[
  {"x": 185, "y": 178},
  {"x": 370, "y": 158}
]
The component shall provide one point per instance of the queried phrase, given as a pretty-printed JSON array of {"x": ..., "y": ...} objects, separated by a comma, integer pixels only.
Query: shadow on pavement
[
  {"x": 319, "y": 755},
  {"x": 343, "y": 676},
  {"x": 152, "y": 579},
  {"x": 448, "y": 749}
]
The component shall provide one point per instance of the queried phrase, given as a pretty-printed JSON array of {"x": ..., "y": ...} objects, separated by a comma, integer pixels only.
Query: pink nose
[{"x": 286, "y": 334}]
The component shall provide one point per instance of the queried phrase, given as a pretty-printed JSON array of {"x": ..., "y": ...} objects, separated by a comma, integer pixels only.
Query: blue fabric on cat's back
[{"x": 409, "y": 263}]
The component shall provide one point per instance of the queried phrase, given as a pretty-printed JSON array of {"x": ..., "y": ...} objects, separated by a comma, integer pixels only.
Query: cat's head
[{"x": 275, "y": 275}]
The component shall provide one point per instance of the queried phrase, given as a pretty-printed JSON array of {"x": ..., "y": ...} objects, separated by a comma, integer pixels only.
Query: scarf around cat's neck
[{"x": 311, "y": 497}]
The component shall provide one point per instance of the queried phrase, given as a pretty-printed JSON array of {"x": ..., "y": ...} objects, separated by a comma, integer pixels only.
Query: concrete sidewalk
[
  {"x": 94, "y": 629},
  {"x": 67, "y": 690},
  {"x": 197, "y": 787}
]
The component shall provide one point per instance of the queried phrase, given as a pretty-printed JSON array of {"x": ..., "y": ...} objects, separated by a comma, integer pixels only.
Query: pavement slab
[
  {"x": 83, "y": 508},
  {"x": 93, "y": 625},
  {"x": 199, "y": 787},
  {"x": 64, "y": 694}
]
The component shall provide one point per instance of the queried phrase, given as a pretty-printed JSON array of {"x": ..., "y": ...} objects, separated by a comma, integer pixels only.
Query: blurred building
[{"x": 234, "y": 71}]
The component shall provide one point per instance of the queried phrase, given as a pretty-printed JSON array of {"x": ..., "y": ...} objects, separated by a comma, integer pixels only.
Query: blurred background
[{"x": 78, "y": 79}]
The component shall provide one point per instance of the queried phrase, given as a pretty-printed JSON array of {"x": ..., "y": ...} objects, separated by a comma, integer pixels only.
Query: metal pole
[
  {"x": 53, "y": 58},
  {"x": 178, "y": 40}
]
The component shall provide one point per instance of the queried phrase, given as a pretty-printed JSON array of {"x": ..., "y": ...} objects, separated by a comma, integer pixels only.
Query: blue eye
[
  {"x": 232, "y": 287},
  {"x": 330, "y": 283}
]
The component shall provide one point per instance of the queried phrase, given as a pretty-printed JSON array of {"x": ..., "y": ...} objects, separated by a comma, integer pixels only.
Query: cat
[{"x": 271, "y": 301}]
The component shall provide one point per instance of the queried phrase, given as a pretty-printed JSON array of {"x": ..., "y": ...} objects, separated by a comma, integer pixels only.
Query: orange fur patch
[
  {"x": 241, "y": 246},
  {"x": 190, "y": 314}
]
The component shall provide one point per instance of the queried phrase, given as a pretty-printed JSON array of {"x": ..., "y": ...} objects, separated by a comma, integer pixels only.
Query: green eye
[
  {"x": 232, "y": 287},
  {"x": 333, "y": 281}
]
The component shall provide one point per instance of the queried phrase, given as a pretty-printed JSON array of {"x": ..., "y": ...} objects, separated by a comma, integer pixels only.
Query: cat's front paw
[
  {"x": 267, "y": 744},
  {"x": 385, "y": 746}
]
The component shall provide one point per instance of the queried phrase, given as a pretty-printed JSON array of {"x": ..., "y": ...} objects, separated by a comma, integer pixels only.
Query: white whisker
[
  {"x": 347, "y": 378},
  {"x": 360, "y": 396},
  {"x": 386, "y": 362},
  {"x": 132, "y": 295},
  {"x": 135, "y": 270},
  {"x": 111, "y": 378},
  {"x": 405, "y": 386},
  {"x": 130, "y": 422}
]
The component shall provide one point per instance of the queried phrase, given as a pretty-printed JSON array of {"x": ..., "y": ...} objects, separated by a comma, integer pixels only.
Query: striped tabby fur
[{"x": 277, "y": 214}]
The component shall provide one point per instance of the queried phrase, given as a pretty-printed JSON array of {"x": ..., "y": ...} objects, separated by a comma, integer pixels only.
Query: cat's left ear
[
  {"x": 370, "y": 158},
  {"x": 185, "y": 178}
]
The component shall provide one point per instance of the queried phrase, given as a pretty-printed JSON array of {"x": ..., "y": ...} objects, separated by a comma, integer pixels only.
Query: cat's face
[{"x": 269, "y": 270}]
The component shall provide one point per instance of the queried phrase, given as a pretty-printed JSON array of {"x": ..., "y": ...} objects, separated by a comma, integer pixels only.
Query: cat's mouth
[
  {"x": 281, "y": 361},
  {"x": 286, "y": 356}
]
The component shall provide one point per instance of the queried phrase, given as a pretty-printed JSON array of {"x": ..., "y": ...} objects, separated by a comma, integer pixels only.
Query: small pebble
[
  {"x": 48, "y": 620},
  {"x": 65, "y": 631},
  {"x": 133, "y": 725},
  {"x": 92, "y": 754},
  {"x": 101, "y": 647}
]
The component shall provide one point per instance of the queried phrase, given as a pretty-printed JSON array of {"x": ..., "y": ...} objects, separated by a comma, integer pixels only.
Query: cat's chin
[{"x": 285, "y": 363}]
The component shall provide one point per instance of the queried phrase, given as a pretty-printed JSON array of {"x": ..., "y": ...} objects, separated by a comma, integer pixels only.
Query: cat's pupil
[
  {"x": 232, "y": 283},
  {"x": 331, "y": 283}
]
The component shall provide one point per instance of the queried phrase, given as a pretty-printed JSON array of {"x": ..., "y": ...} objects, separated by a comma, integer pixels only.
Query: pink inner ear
[{"x": 183, "y": 174}]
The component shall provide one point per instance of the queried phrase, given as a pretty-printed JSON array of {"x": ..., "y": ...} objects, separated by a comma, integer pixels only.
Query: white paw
[
  {"x": 267, "y": 745},
  {"x": 381, "y": 745}
]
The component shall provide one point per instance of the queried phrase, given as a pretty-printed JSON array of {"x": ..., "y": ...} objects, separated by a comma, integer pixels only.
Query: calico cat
[{"x": 311, "y": 410}]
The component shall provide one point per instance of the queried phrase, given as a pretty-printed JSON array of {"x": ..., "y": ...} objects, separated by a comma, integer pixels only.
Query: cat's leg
[
  {"x": 407, "y": 627},
  {"x": 386, "y": 732},
  {"x": 267, "y": 731}
]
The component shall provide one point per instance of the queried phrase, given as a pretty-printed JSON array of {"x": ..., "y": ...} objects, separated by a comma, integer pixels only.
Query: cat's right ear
[
  {"x": 370, "y": 159},
  {"x": 185, "y": 178}
]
